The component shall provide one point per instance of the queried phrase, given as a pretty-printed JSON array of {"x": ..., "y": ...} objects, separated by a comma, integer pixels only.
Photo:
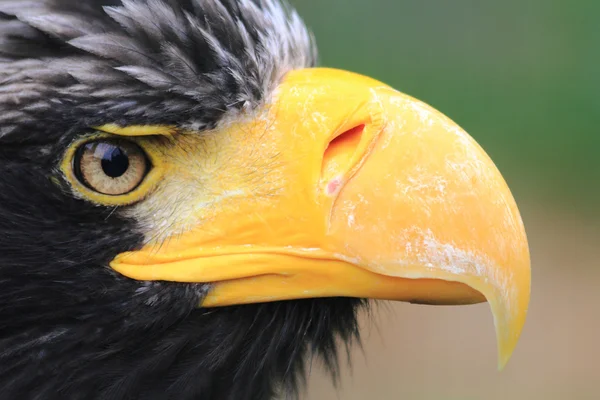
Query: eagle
[{"x": 191, "y": 208}]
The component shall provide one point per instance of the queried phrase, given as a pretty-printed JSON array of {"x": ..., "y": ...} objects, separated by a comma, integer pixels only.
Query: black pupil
[{"x": 114, "y": 161}]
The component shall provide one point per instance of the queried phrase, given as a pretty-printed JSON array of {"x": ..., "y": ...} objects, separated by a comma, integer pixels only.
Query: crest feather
[{"x": 207, "y": 57}]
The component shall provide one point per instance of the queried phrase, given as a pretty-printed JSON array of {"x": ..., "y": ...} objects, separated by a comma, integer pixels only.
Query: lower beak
[{"x": 345, "y": 187}]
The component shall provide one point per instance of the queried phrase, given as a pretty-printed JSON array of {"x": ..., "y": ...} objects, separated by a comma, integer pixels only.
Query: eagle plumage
[
  {"x": 71, "y": 328},
  {"x": 190, "y": 210}
]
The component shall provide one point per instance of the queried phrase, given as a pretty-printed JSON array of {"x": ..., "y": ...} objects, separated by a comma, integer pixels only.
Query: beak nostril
[
  {"x": 349, "y": 138},
  {"x": 339, "y": 156}
]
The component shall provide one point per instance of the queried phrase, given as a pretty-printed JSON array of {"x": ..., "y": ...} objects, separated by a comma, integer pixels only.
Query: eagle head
[{"x": 189, "y": 208}]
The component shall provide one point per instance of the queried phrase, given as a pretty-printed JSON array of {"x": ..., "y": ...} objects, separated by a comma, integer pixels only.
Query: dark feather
[
  {"x": 205, "y": 56},
  {"x": 70, "y": 327}
]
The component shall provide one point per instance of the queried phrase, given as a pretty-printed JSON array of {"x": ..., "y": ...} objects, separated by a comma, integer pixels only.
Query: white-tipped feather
[{"x": 211, "y": 58}]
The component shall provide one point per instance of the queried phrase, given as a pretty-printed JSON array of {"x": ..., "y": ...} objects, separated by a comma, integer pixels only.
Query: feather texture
[{"x": 212, "y": 58}]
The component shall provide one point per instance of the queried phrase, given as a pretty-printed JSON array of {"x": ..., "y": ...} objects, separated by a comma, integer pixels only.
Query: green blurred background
[{"x": 521, "y": 76}]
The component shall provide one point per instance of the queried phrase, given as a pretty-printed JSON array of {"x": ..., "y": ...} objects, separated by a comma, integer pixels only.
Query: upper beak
[{"x": 346, "y": 187}]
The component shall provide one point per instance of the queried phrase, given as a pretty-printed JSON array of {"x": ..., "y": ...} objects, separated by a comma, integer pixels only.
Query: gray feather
[{"x": 189, "y": 62}]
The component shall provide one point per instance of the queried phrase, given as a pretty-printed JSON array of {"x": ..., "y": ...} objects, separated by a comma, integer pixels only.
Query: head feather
[{"x": 189, "y": 61}]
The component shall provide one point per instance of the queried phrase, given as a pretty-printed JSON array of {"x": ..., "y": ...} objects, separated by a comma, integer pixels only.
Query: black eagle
[{"x": 189, "y": 209}]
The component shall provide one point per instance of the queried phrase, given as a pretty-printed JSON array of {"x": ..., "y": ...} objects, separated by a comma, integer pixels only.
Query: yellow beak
[{"x": 342, "y": 186}]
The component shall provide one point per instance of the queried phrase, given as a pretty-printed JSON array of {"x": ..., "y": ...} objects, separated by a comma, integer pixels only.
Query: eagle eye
[{"x": 111, "y": 167}]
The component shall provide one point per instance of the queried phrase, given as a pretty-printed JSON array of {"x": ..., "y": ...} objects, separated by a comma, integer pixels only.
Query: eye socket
[{"x": 111, "y": 167}]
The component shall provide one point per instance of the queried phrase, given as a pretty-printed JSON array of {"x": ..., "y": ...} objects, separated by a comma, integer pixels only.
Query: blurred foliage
[{"x": 519, "y": 75}]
